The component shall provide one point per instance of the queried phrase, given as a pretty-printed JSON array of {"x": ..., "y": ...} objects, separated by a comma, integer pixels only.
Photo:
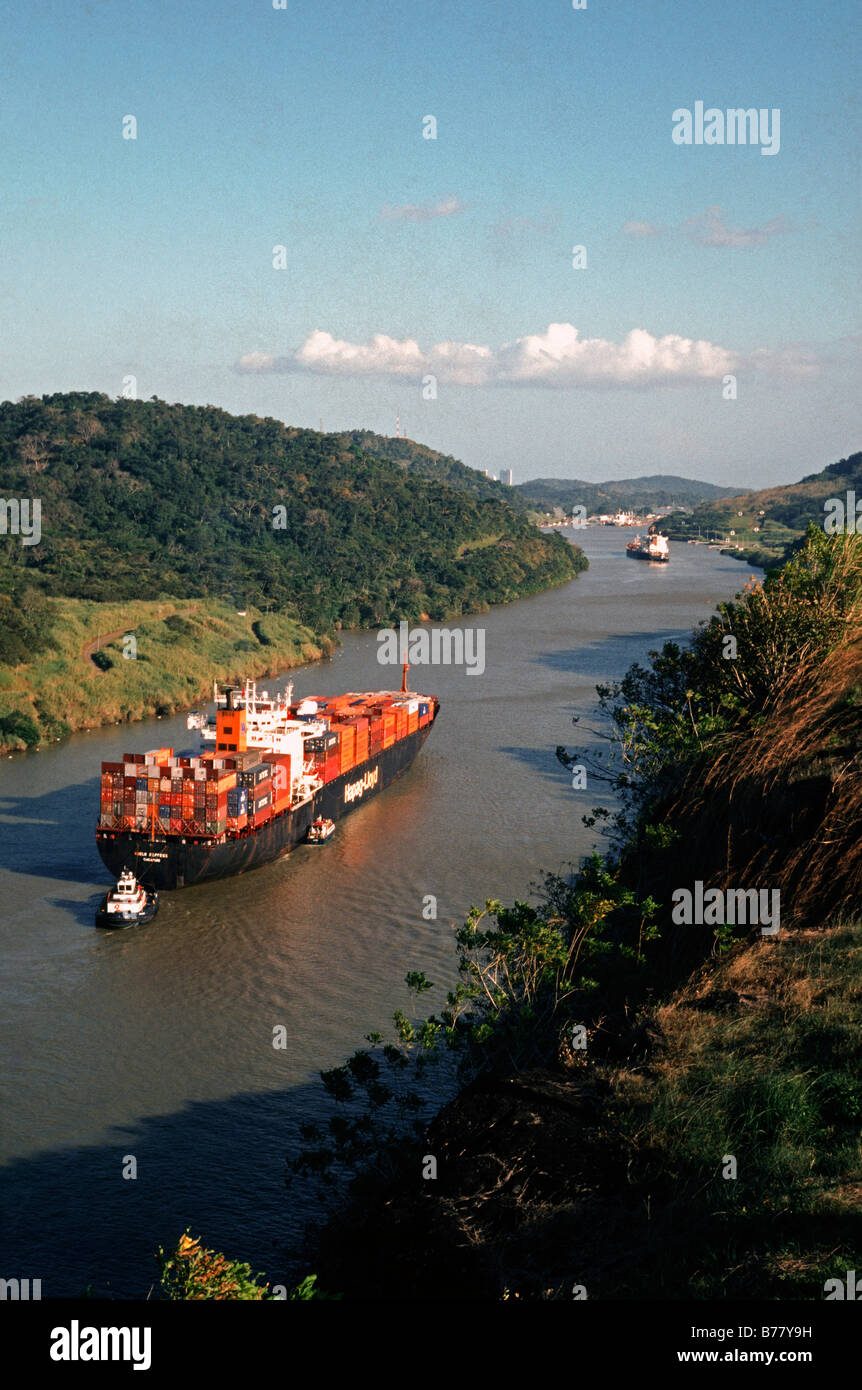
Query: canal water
[{"x": 156, "y": 1043}]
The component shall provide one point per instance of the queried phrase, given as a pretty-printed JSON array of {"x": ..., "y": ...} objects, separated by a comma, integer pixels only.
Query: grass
[
  {"x": 758, "y": 1060},
  {"x": 481, "y": 543},
  {"x": 182, "y": 647}
]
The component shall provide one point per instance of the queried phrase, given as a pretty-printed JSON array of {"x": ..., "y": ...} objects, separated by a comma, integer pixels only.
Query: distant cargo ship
[
  {"x": 649, "y": 548},
  {"x": 276, "y": 768}
]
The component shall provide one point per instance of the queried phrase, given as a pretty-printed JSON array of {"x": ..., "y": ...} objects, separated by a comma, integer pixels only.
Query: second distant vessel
[{"x": 652, "y": 547}]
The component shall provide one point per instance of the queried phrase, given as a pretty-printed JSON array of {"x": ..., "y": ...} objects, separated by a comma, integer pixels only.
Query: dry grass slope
[{"x": 182, "y": 647}]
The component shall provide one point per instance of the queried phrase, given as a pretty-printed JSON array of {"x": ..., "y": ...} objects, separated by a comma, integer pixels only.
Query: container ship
[
  {"x": 651, "y": 547},
  {"x": 274, "y": 768}
]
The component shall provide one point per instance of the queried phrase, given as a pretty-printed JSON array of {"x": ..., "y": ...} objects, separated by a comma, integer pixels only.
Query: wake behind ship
[{"x": 276, "y": 768}]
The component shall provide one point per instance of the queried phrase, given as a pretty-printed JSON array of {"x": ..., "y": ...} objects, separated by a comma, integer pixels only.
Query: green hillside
[
  {"x": 761, "y": 526},
  {"x": 231, "y": 547},
  {"x": 81, "y": 676},
  {"x": 635, "y": 494},
  {"x": 142, "y": 498},
  {"x": 428, "y": 463}
]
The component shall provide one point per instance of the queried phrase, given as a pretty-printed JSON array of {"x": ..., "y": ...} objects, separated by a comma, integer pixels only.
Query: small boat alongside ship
[
  {"x": 320, "y": 830},
  {"x": 127, "y": 904},
  {"x": 650, "y": 547}
]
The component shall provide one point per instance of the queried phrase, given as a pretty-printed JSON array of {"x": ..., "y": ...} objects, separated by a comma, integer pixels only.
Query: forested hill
[
  {"x": 428, "y": 463},
  {"x": 764, "y": 524},
  {"x": 638, "y": 494},
  {"x": 142, "y": 498}
]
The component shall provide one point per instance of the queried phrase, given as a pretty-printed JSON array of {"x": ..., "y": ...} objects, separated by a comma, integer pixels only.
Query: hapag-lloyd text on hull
[{"x": 362, "y": 785}]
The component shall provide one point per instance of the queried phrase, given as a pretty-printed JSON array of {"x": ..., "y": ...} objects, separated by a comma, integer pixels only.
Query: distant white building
[{"x": 506, "y": 476}]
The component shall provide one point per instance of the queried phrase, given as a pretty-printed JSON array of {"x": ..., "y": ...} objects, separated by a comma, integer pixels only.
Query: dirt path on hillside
[{"x": 90, "y": 648}]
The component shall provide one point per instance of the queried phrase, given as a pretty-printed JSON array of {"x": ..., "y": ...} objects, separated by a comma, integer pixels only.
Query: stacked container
[
  {"x": 362, "y": 739},
  {"x": 347, "y": 747},
  {"x": 281, "y": 780},
  {"x": 178, "y": 796},
  {"x": 237, "y": 808}
]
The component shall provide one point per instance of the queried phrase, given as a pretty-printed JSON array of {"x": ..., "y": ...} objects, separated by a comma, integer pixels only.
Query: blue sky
[{"x": 303, "y": 127}]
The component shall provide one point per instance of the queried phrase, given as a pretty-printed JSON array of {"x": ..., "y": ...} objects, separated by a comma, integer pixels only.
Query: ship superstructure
[{"x": 651, "y": 547}]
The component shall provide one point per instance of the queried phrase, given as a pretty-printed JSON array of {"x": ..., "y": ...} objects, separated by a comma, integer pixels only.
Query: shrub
[{"x": 18, "y": 725}]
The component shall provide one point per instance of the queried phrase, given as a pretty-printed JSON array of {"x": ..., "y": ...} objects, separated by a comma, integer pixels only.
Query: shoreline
[
  {"x": 234, "y": 645},
  {"x": 180, "y": 649}
]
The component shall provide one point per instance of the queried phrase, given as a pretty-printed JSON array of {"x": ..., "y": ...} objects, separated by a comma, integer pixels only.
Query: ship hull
[
  {"x": 644, "y": 555},
  {"x": 166, "y": 862}
]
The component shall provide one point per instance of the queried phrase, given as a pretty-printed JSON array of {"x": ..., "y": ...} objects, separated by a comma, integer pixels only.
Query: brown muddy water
[{"x": 156, "y": 1042}]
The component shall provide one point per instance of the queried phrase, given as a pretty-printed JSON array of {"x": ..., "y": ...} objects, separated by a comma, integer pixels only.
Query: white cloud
[
  {"x": 257, "y": 362},
  {"x": 641, "y": 229},
  {"x": 711, "y": 230},
  {"x": 382, "y": 356},
  {"x": 557, "y": 357},
  {"x": 423, "y": 212}
]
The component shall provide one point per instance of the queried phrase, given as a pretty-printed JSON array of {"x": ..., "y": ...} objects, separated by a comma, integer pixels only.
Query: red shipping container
[
  {"x": 264, "y": 814},
  {"x": 281, "y": 772}
]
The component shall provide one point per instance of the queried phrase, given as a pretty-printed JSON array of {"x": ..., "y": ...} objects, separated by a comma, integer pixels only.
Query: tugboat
[
  {"x": 127, "y": 904},
  {"x": 652, "y": 547},
  {"x": 320, "y": 830}
]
